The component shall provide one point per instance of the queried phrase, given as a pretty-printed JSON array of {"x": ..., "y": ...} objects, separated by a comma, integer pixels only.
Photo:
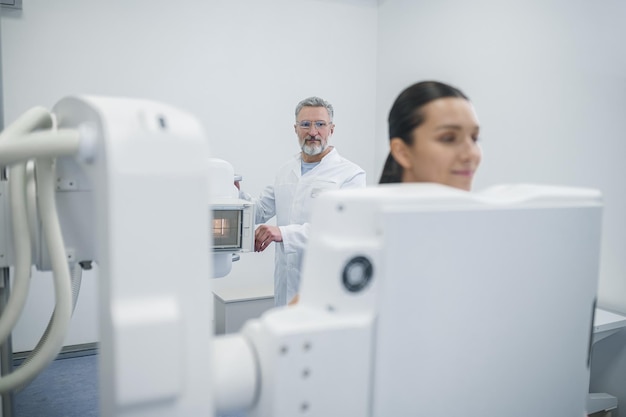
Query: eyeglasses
[{"x": 307, "y": 124}]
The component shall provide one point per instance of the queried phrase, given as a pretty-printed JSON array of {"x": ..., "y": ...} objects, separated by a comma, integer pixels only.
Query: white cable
[
  {"x": 77, "y": 275},
  {"x": 22, "y": 248},
  {"x": 39, "y": 144},
  {"x": 33, "y": 119},
  {"x": 16, "y": 145},
  {"x": 63, "y": 291}
]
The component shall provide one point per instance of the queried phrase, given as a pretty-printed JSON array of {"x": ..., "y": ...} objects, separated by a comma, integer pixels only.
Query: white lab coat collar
[{"x": 330, "y": 157}]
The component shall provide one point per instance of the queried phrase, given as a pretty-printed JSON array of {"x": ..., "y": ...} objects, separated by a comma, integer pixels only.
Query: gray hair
[{"x": 316, "y": 102}]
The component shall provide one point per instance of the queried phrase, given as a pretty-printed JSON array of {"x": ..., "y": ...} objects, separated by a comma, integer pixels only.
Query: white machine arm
[{"x": 143, "y": 166}]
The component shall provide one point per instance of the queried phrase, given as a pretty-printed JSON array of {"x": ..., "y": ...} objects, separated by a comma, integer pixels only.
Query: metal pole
[{"x": 6, "y": 349}]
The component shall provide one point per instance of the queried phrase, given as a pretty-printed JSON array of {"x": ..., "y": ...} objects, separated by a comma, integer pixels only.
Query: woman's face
[{"x": 445, "y": 148}]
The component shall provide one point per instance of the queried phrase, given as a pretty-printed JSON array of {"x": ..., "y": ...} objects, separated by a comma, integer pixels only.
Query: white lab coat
[{"x": 289, "y": 199}]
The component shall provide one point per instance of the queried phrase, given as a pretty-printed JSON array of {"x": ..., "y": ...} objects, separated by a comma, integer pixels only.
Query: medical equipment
[
  {"x": 421, "y": 299},
  {"x": 69, "y": 186},
  {"x": 146, "y": 167},
  {"x": 415, "y": 299},
  {"x": 233, "y": 218}
]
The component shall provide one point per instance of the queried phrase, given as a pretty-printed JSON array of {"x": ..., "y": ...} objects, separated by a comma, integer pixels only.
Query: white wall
[
  {"x": 548, "y": 80},
  {"x": 240, "y": 66}
]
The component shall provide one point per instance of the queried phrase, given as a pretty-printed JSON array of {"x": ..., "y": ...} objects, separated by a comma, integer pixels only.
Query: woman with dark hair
[{"x": 433, "y": 133}]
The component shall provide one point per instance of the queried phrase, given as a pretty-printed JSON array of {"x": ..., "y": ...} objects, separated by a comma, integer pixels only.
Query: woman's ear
[{"x": 400, "y": 152}]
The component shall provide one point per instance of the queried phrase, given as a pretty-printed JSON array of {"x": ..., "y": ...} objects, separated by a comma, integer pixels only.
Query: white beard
[{"x": 313, "y": 149}]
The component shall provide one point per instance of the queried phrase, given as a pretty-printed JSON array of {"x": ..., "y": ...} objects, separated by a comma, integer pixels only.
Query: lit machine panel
[
  {"x": 232, "y": 226},
  {"x": 227, "y": 229}
]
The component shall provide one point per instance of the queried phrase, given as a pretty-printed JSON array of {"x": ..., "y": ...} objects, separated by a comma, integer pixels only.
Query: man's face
[{"x": 313, "y": 139}]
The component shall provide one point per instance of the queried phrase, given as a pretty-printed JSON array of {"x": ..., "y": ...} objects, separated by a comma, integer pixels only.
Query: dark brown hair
[{"x": 406, "y": 114}]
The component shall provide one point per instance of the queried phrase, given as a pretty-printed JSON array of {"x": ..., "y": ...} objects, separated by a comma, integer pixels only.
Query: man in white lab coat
[{"x": 317, "y": 168}]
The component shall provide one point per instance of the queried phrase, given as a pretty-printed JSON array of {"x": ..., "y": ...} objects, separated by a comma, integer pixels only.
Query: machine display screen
[{"x": 227, "y": 229}]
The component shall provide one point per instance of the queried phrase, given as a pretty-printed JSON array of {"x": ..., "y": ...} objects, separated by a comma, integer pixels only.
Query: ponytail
[{"x": 392, "y": 171}]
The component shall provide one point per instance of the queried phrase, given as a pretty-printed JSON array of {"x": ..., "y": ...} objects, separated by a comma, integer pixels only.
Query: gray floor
[{"x": 67, "y": 388}]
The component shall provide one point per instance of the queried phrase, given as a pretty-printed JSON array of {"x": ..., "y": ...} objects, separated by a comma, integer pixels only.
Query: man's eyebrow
[{"x": 454, "y": 126}]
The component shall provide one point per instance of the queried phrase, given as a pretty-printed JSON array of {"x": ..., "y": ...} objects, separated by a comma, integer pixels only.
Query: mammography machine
[{"x": 415, "y": 299}]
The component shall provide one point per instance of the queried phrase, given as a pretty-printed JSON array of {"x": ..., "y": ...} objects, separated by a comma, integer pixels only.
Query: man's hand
[
  {"x": 264, "y": 235},
  {"x": 294, "y": 300}
]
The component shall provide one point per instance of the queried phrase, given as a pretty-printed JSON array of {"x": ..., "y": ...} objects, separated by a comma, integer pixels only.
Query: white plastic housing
[
  {"x": 146, "y": 163},
  {"x": 232, "y": 221},
  {"x": 426, "y": 300}
]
